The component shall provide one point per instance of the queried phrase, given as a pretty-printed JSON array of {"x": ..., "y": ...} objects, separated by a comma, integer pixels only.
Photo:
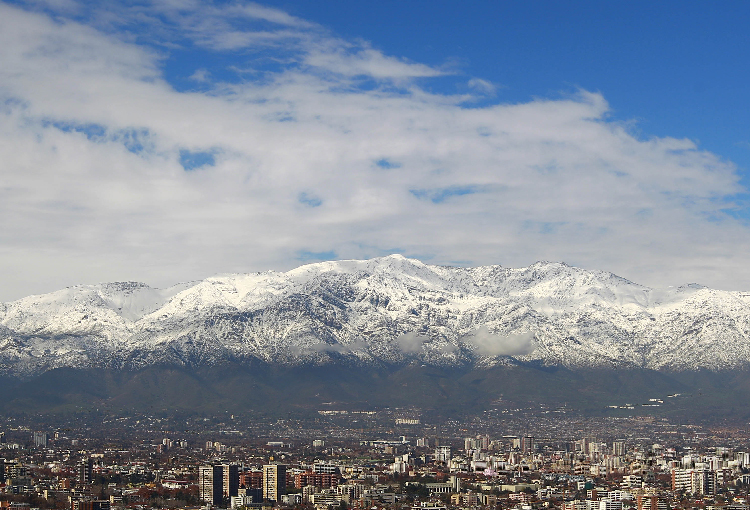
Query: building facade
[
  {"x": 218, "y": 483},
  {"x": 274, "y": 481}
]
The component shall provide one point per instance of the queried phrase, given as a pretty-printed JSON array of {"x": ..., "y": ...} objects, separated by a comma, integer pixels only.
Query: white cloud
[
  {"x": 489, "y": 344},
  {"x": 339, "y": 348},
  {"x": 253, "y": 10},
  {"x": 482, "y": 86},
  {"x": 411, "y": 343},
  {"x": 200, "y": 75},
  {"x": 366, "y": 62},
  {"x": 92, "y": 188}
]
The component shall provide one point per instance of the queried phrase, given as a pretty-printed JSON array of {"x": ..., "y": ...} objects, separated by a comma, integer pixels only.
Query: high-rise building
[
  {"x": 696, "y": 481},
  {"x": 230, "y": 480},
  {"x": 703, "y": 482},
  {"x": 586, "y": 445},
  {"x": 217, "y": 483},
  {"x": 86, "y": 471},
  {"x": 618, "y": 448},
  {"x": 527, "y": 444},
  {"x": 485, "y": 442},
  {"x": 274, "y": 481},
  {"x": 40, "y": 439},
  {"x": 210, "y": 484},
  {"x": 442, "y": 454}
]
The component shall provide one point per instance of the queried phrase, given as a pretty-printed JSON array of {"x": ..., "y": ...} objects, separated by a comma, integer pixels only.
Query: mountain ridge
[{"x": 384, "y": 311}]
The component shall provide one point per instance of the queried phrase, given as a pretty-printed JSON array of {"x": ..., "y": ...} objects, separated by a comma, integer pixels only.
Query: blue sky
[
  {"x": 676, "y": 68},
  {"x": 168, "y": 141}
]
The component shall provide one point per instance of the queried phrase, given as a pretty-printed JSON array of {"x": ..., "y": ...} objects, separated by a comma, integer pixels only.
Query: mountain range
[{"x": 382, "y": 314}]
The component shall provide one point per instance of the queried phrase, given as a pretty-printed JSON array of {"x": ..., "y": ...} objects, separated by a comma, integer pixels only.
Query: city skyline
[{"x": 486, "y": 461}]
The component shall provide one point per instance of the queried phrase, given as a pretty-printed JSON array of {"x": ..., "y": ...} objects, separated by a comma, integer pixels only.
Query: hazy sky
[{"x": 170, "y": 141}]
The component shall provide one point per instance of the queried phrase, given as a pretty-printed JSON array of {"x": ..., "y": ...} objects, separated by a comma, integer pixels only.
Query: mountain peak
[{"x": 386, "y": 310}]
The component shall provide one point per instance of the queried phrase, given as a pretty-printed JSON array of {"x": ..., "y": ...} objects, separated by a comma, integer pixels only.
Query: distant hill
[{"x": 439, "y": 392}]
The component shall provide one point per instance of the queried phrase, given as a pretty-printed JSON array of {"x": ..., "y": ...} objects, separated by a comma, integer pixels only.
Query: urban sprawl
[{"x": 373, "y": 460}]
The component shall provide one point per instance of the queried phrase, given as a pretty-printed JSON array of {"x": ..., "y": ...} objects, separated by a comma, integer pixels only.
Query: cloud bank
[
  {"x": 411, "y": 343},
  {"x": 170, "y": 141},
  {"x": 489, "y": 344}
]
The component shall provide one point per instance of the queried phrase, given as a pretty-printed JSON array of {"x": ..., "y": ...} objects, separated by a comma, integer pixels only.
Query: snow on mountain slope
[{"x": 383, "y": 310}]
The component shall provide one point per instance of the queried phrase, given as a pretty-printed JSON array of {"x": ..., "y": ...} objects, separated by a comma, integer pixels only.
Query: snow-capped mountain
[{"x": 387, "y": 310}]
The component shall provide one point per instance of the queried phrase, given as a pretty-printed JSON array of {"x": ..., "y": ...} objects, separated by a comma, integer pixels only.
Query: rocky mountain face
[{"x": 385, "y": 311}]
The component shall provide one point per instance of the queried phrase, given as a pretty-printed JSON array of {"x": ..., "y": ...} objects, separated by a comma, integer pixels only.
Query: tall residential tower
[{"x": 274, "y": 481}]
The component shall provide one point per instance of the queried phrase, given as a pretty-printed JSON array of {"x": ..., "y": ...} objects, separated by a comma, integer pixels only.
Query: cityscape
[{"x": 381, "y": 459}]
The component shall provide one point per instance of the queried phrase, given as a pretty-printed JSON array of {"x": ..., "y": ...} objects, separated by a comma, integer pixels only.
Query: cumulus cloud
[
  {"x": 111, "y": 172},
  {"x": 489, "y": 344}
]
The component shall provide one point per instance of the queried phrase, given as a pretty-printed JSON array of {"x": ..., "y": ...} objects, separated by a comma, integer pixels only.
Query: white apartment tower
[{"x": 274, "y": 481}]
